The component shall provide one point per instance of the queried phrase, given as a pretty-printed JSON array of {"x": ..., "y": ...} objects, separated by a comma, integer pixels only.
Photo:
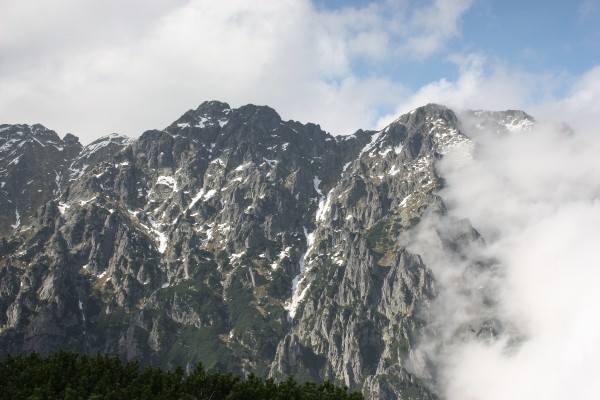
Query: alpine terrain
[{"x": 235, "y": 239}]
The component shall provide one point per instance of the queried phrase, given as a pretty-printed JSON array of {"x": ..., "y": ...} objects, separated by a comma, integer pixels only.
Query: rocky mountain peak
[
  {"x": 500, "y": 122},
  {"x": 212, "y": 106},
  {"x": 37, "y": 131},
  {"x": 33, "y": 160},
  {"x": 71, "y": 140},
  {"x": 431, "y": 110}
]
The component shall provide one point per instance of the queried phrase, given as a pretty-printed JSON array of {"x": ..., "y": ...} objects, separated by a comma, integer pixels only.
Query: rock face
[
  {"x": 33, "y": 161},
  {"x": 230, "y": 238}
]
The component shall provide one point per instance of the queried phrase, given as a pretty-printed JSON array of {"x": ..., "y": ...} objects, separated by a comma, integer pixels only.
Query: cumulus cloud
[
  {"x": 580, "y": 106},
  {"x": 431, "y": 28},
  {"x": 101, "y": 66},
  {"x": 484, "y": 83},
  {"x": 535, "y": 198}
]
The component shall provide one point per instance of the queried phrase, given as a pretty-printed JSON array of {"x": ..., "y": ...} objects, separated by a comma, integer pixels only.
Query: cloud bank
[
  {"x": 535, "y": 198},
  {"x": 102, "y": 66}
]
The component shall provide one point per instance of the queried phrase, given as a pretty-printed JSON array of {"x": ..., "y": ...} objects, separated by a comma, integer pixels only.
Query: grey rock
[{"x": 231, "y": 238}]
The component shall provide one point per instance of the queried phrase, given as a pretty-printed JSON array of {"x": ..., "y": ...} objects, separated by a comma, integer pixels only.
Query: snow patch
[
  {"x": 62, "y": 207},
  {"x": 168, "y": 181},
  {"x": 324, "y": 202},
  {"x": 296, "y": 299},
  {"x": 103, "y": 142},
  {"x": 297, "y": 294},
  {"x": 317, "y": 183},
  {"x": 84, "y": 202},
  {"x": 40, "y": 143},
  {"x": 82, "y": 314},
  {"x": 235, "y": 256},
  {"x": 76, "y": 173},
  {"x": 161, "y": 237},
  {"x": 15, "y": 161},
  {"x": 201, "y": 123},
  {"x": 218, "y": 161},
  {"x": 403, "y": 202},
  {"x": 18, "y": 219},
  {"x": 285, "y": 253},
  {"x": 202, "y": 195},
  {"x": 209, "y": 194},
  {"x": 242, "y": 167},
  {"x": 372, "y": 143},
  {"x": 324, "y": 206},
  {"x": 383, "y": 153},
  {"x": 57, "y": 182},
  {"x": 270, "y": 162},
  {"x": 8, "y": 144},
  {"x": 252, "y": 277}
]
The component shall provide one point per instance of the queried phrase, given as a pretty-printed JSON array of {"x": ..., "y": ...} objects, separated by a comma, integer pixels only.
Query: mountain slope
[{"x": 232, "y": 238}]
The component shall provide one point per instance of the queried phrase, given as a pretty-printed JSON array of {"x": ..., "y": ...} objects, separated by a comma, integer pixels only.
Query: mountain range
[{"x": 239, "y": 240}]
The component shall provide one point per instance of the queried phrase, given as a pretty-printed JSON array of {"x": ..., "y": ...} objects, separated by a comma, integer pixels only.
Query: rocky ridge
[{"x": 231, "y": 238}]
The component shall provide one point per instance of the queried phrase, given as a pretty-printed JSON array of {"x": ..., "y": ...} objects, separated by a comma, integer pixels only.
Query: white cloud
[
  {"x": 483, "y": 84},
  {"x": 102, "y": 66},
  {"x": 588, "y": 7},
  {"x": 581, "y": 105},
  {"x": 491, "y": 85},
  {"x": 535, "y": 198},
  {"x": 430, "y": 28}
]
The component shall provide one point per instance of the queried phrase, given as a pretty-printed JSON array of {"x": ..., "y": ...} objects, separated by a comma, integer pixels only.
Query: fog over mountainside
[
  {"x": 440, "y": 257},
  {"x": 535, "y": 199}
]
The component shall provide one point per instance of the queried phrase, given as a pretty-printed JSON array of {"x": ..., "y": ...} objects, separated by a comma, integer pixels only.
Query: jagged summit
[
  {"x": 25, "y": 131},
  {"x": 31, "y": 160},
  {"x": 213, "y": 113},
  {"x": 213, "y": 105},
  {"x": 71, "y": 139},
  {"x": 207, "y": 113},
  {"x": 499, "y": 122}
]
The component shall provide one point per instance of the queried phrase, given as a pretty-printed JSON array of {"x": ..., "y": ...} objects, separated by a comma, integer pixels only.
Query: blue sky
[
  {"x": 559, "y": 37},
  {"x": 96, "y": 67}
]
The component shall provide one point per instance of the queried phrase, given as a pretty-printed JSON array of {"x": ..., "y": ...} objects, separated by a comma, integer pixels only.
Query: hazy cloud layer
[{"x": 535, "y": 198}]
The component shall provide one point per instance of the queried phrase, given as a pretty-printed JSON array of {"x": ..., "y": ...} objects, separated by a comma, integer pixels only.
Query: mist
[{"x": 534, "y": 198}]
